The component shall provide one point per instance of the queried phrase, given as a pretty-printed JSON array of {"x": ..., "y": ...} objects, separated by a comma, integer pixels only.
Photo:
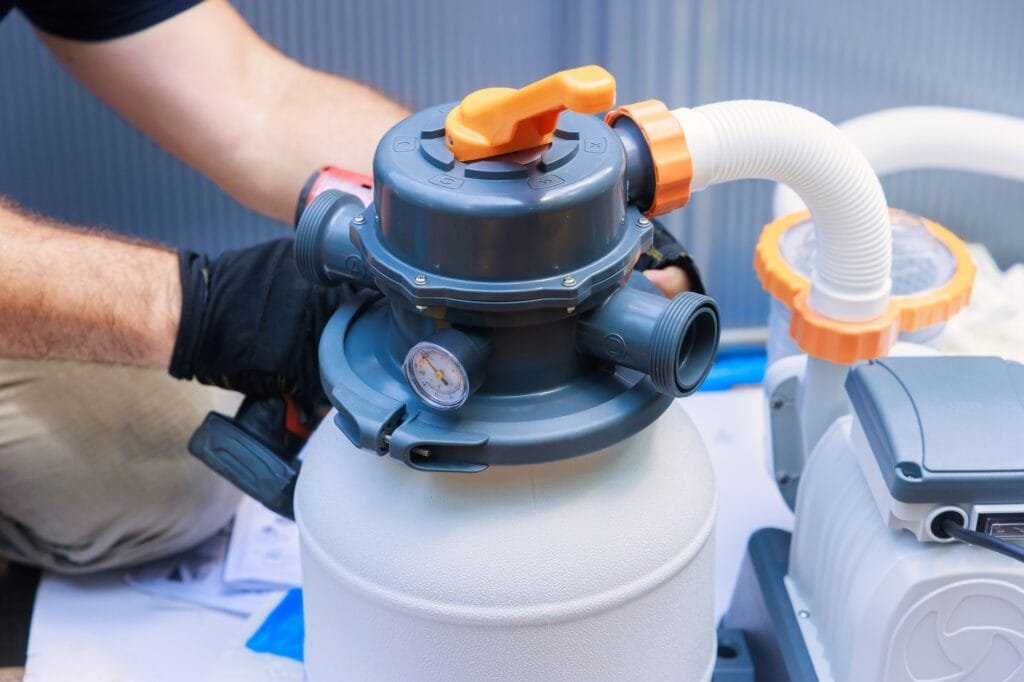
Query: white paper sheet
[
  {"x": 99, "y": 629},
  {"x": 196, "y": 577},
  {"x": 264, "y": 550}
]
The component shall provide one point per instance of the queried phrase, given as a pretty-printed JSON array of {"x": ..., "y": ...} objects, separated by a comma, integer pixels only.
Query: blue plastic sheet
[
  {"x": 283, "y": 632},
  {"x": 736, "y": 368}
]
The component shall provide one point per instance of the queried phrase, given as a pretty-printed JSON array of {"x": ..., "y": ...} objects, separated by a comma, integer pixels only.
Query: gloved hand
[
  {"x": 669, "y": 266},
  {"x": 251, "y": 323}
]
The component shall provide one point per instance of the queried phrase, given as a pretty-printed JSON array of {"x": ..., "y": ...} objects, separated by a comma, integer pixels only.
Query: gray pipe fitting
[
  {"x": 673, "y": 341},
  {"x": 324, "y": 253}
]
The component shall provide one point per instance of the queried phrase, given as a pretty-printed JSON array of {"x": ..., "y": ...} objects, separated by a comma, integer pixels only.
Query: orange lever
[{"x": 496, "y": 121}]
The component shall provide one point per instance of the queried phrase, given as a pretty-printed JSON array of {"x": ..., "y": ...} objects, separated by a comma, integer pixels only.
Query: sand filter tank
[{"x": 545, "y": 509}]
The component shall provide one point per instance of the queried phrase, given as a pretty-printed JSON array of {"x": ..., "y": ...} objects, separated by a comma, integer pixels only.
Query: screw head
[
  {"x": 421, "y": 279},
  {"x": 803, "y": 613},
  {"x": 568, "y": 281},
  {"x": 777, "y": 403},
  {"x": 359, "y": 219},
  {"x": 643, "y": 221}
]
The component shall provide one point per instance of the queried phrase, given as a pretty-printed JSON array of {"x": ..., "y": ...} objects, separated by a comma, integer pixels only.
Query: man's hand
[
  {"x": 251, "y": 323},
  {"x": 670, "y": 281},
  {"x": 669, "y": 266}
]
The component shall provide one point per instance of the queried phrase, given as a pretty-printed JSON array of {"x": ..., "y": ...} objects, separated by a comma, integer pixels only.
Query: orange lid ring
[{"x": 848, "y": 342}]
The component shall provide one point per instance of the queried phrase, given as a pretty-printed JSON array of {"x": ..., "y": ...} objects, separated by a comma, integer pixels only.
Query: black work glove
[
  {"x": 667, "y": 252},
  {"x": 251, "y": 323}
]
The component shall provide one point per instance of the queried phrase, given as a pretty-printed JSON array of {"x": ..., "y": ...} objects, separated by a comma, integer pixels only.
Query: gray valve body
[{"x": 516, "y": 266}]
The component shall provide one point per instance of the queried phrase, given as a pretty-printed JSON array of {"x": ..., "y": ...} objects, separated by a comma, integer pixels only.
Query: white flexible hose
[
  {"x": 775, "y": 141},
  {"x": 946, "y": 138}
]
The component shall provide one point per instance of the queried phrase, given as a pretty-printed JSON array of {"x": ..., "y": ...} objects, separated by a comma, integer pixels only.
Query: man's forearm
[
  {"x": 319, "y": 120},
  {"x": 208, "y": 89},
  {"x": 75, "y": 295}
]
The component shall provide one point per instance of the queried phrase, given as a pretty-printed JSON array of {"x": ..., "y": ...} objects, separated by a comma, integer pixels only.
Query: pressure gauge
[
  {"x": 445, "y": 369},
  {"x": 437, "y": 376}
]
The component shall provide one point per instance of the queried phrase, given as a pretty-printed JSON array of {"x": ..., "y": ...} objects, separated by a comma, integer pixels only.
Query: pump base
[{"x": 762, "y": 611}]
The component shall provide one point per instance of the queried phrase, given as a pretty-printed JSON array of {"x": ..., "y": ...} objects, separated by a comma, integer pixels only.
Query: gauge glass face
[{"x": 437, "y": 376}]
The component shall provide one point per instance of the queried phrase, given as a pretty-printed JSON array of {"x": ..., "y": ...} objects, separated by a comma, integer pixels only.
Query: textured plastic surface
[
  {"x": 597, "y": 568},
  {"x": 944, "y": 429},
  {"x": 881, "y": 605}
]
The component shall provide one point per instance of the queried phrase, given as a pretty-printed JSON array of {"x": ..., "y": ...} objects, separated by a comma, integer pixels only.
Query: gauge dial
[{"x": 437, "y": 376}]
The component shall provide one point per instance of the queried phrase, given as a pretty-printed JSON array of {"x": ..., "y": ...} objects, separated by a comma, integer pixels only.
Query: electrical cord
[{"x": 978, "y": 539}]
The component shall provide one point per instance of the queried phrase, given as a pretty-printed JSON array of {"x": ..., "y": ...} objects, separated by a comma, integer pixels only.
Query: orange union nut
[
  {"x": 673, "y": 168},
  {"x": 842, "y": 342}
]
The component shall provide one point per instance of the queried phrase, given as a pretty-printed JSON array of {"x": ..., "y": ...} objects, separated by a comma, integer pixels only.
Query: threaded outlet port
[
  {"x": 310, "y": 235},
  {"x": 684, "y": 344}
]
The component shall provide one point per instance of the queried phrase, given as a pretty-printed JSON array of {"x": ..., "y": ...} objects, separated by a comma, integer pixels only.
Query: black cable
[{"x": 978, "y": 539}]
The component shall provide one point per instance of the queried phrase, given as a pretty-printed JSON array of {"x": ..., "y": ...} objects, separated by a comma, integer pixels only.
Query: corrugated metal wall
[{"x": 63, "y": 154}]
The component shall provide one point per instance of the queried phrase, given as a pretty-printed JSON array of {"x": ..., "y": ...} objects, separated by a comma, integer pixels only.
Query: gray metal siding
[{"x": 63, "y": 154}]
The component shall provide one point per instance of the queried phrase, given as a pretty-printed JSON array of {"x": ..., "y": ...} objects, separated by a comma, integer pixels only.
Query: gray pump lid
[{"x": 944, "y": 429}]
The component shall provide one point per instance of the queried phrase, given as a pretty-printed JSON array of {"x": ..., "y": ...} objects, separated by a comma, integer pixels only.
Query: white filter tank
[{"x": 598, "y": 567}]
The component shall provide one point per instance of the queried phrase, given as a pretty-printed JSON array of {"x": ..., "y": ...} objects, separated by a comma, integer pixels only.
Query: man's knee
[{"x": 94, "y": 471}]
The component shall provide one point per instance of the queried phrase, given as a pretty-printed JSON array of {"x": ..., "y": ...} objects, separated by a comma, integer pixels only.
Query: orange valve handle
[{"x": 496, "y": 121}]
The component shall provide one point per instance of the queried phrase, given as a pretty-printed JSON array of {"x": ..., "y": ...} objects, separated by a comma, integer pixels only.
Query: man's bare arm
[
  {"x": 75, "y": 295},
  {"x": 207, "y": 88}
]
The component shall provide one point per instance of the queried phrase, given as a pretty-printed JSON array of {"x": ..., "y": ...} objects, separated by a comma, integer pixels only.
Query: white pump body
[
  {"x": 875, "y": 603},
  {"x": 592, "y": 568}
]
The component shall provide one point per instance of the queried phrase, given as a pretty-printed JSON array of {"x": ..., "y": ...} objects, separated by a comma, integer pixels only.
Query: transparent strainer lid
[{"x": 920, "y": 262}]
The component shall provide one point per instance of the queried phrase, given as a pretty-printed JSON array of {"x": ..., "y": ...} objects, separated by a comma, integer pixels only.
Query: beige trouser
[{"x": 94, "y": 471}]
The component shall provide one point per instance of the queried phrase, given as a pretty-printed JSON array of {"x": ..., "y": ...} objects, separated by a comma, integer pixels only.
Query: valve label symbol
[
  {"x": 614, "y": 345},
  {"x": 404, "y": 144},
  {"x": 595, "y": 145},
  {"x": 545, "y": 181},
  {"x": 354, "y": 266},
  {"x": 449, "y": 181}
]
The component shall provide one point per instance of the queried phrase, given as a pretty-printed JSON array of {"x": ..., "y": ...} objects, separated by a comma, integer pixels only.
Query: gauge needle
[{"x": 437, "y": 373}]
